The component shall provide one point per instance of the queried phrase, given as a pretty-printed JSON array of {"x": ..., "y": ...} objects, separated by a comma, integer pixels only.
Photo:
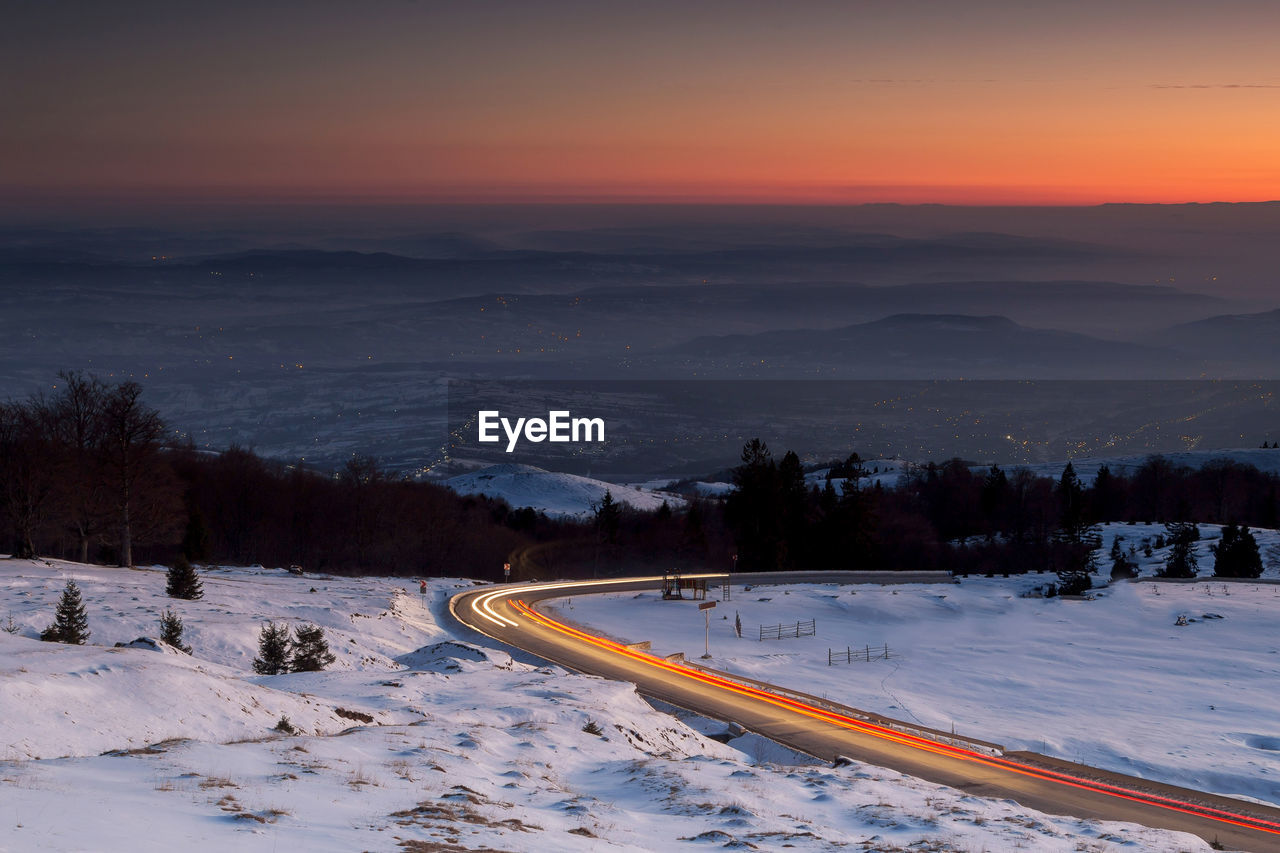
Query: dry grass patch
[
  {"x": 456, "y": 809},
  {"x": 216, "y": 782}
]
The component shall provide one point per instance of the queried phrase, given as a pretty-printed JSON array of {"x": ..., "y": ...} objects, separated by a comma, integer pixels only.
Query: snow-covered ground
[
  {"x": 885, "y": 472},
  {"x": 425, "y": 737},
  {"x": 570, "y": 495},
  {"x": 889, "y": 472},
  {"x": 1134, "y": 539},
  {"x": 712, "y": 490},
  {"x": 556, "y": 494},
  {"x": 1087, "y": 467},
  {"x": 1112, "y": 681}
]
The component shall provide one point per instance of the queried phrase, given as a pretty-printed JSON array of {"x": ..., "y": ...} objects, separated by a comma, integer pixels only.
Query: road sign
[
  {"x": 706, "y": 605},
  {"x": 506, "y": 571}
]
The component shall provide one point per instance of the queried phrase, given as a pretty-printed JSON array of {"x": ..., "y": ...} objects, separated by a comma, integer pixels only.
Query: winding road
[{"x": 832, "y": 732}]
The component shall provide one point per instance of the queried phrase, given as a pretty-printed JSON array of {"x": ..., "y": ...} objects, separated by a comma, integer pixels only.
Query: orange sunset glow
[{"x": 813, "y": 102}]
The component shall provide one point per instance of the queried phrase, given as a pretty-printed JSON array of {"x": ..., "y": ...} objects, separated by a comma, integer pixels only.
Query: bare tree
[
  {"x": 131, "y": 442},
  {"x": 77, "y": 422},
  {"x": 27, "y": 474},
  {"x": 365, "y": 485}
]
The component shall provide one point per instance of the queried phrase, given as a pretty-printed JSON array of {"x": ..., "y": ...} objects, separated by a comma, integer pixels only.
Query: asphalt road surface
[{"x": 827, "y": 731}]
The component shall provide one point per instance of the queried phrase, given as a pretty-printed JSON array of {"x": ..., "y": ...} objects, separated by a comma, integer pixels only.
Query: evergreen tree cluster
[
  {"x": 1183, "y": 561},
  {"x": 307, "y": 651},
  {"x": 71, "y": 622},
  {"x": 777, "y": 522},
  {"x": 947, "y": 515},
  {"x": 1236, "y": 555},
  {"x": 1121, "y": 566},
  {"x": 83, "y": 475},
  {"x": 1074, "y": 583}
]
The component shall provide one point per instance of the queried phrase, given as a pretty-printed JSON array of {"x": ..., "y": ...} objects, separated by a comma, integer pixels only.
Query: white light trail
[{"x": 483, "y": 604}]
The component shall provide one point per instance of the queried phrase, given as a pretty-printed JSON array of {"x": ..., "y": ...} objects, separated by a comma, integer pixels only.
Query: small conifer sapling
[
  {"x": 70, "y": 623},
  {"x": 171, "y": 631},
  {"x": 183, "y": 582}
]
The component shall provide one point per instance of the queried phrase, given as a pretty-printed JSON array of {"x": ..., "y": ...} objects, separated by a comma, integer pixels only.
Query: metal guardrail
[{"x": 865, "y": 716}]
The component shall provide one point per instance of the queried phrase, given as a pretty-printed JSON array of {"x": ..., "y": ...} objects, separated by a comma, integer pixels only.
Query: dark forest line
[{"x": 87, "y": 474}]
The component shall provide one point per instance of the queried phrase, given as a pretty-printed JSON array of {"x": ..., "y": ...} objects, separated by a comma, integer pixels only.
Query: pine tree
[
  {"x": 608, "y": 518},
  {"x": 1181, "y": 531},
  {"x": 1182, "y": 562},
  {"x": 70, "y": 624},
  {"x": 273, "y": 650},
  {"x": 1071, "y": 502},
  {"x": 792, "y": 501},
  {"x": 171, "y": 631},
  {"x": 1105, "y": 498},
  {"x": 754, "y": 509},
  {"x": 1121, "y": 567},
  {"x": 310, "y": 651},
  {"x": 183, "y": 582},
  {"x": 993, "y": 498},
  {"x": 1074, "y": 583},
  {"x": 1236, "y": 555},
  {"x": 693, "y": 537}
]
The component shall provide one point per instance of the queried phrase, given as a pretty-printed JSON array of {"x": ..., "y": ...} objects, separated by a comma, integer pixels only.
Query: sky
[{"x": 985, "y": 102}]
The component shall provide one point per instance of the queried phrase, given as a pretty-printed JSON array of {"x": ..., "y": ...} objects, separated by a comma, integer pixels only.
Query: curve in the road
[{"x": 505, "y": 614}]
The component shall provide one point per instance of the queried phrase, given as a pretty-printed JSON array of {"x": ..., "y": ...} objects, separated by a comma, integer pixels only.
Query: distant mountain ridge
[
  {"x": 933, "y": 345},
  {"x": 1248, "y": 344}
]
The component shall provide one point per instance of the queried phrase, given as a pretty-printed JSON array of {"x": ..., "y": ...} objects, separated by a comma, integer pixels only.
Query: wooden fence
[
  {"x": 850, "y": 654},
  {"x": 799, "y": 629}
]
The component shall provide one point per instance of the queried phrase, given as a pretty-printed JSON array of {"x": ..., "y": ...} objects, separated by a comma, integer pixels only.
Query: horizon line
[{"x": 19, "y": 197}]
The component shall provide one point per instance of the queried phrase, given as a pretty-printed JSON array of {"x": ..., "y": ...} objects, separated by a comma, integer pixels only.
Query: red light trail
[{"x": 915, "y": 741}]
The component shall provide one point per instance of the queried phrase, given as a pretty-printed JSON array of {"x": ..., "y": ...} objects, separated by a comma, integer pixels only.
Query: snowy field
[
  {"x": 1267, "y": 461},
  {"x": 423, "y": 737},
  {"x": 884, "y": 472},
  {"x": 889, "y": 472},
  {"x": 556, "y": 494},
  {"x": 1111, "y": 681}
]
